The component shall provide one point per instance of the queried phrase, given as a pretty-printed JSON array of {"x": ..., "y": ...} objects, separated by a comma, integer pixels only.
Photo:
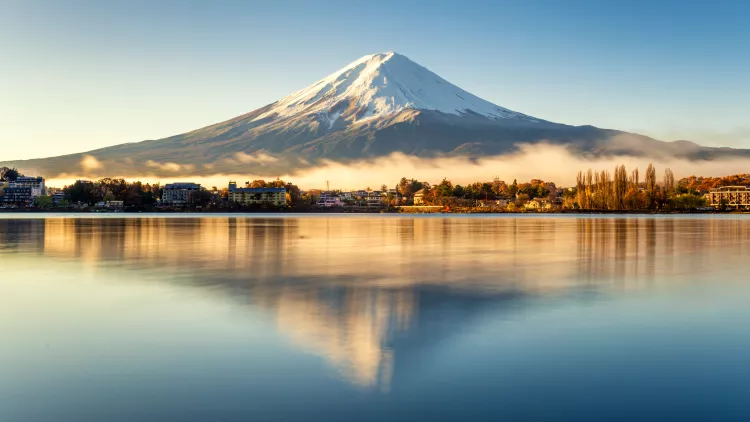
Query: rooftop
[
  {"x": 259, "y": 190},
  {"x": 731, "y": 188},
  {"x": 182, "y": 185}
]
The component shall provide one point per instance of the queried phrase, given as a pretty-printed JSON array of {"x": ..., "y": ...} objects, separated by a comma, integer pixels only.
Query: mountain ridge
[{"x": 377, "y": 105}]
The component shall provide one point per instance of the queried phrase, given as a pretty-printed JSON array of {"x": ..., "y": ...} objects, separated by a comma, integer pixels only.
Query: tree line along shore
[{"x": 594, "y": 191}]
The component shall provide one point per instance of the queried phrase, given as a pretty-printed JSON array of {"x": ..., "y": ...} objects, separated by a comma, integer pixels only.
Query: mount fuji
[{"x": 377, "y": 105}]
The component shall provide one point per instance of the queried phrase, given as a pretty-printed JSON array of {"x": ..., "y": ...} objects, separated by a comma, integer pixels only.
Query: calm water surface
[{"x": 365, "y": 318}]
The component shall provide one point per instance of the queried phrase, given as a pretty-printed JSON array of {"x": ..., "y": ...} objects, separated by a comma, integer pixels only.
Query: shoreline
[{"x": 380, "y": 211}]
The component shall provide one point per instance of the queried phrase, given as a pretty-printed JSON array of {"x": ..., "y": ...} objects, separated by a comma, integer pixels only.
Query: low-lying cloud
[
  {"x": 541, "y": 161},
  {"x": 90, "y": 164},
  {"x": 170, "y": 167},
  {"x": 242, "y": 158}
]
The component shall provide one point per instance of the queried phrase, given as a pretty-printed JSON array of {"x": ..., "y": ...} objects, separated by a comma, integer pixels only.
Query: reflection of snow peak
[{"x": 381, "y": 84}]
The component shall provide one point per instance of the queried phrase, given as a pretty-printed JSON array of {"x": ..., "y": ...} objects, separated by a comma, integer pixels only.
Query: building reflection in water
[{"x": 350, "y": 288}]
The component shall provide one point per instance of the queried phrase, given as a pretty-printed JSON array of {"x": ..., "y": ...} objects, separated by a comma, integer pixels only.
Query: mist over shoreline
[{"x": 532, "y": 161}]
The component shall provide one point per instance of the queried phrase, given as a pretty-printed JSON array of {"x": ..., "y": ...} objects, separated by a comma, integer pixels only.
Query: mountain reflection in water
[{"x": 376, "y": 297}]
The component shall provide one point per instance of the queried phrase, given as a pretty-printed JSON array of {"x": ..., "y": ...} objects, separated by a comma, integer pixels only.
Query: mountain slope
[
  {"x": 375, "y": 106},
  {"x": 379, "y": 85}
]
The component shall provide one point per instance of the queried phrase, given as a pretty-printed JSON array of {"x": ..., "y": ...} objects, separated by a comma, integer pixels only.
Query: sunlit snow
[{"x": 383, "y": 84}]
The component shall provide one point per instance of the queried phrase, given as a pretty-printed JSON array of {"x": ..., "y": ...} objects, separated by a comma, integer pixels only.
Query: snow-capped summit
[{"x": 377, "y": 85}]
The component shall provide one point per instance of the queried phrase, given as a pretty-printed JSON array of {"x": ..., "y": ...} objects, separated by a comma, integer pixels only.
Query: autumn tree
[
  {"x": 620, "y": 187},
  {"x": 651, "y": 184},
  {"x": 444, "y": 189},
  {"x": 513, "y": 189},
  {"x": 669, "y": 186}
]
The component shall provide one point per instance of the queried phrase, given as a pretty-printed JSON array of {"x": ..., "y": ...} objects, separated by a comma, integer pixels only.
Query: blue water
[{"x": 373, "y": 318}]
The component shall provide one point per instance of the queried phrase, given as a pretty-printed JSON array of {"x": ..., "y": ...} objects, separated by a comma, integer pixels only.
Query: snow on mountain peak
[{"x": 381, "y": 84}]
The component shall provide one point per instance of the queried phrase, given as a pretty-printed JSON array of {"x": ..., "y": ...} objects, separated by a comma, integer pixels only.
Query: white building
[
  {"x": 419, "y": 197},
  {"x": 329, "y": 201}
]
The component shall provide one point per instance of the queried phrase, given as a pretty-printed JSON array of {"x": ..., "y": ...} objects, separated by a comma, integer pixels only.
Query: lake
[{"x": 374, "y": 318}]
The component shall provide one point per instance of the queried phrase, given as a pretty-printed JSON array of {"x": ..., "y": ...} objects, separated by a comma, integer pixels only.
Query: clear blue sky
[{"x": 77, "y": 75}]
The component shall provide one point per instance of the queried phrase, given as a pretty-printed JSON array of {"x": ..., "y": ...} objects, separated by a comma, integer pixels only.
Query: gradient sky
[{"x": 76, "y": 75}]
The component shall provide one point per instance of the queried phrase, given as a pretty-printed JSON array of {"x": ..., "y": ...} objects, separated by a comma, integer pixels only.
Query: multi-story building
[
  {"x": 733, "y": 196},
  {"x": 36, "y": 184},
  {"x": 18, "y": 196},
  {"x": 257, "y": 196},
  {"x": 179, "y": 193}
]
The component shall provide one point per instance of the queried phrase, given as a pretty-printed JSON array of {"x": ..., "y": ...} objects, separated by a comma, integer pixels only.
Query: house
[
  {"x": 493, "y": 203},
  {"x": 419, "y": 197},
  {"x": 374, "y": 202},
  {"x": 110, "y": 204},
  {"x": 329, "y": 201},
  {"x": 179, "y": 194},
  {"x": 538, "y": 204},
  {"x": 346, "y": 196},
  {"x": 257, "y": 196}
]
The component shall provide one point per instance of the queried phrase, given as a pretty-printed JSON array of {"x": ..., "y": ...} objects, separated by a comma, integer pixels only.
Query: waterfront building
[
  {"x": 58, "y": 197},
  {"x": 329, "y": 201},
  {"x": 18, "y": 196},
  {"x": 180, "y": 193},
  {"x": 733, "y": 196},
  {"x": 539, "y": 204},
  {"x": 346, "y": 196},
  {"x": 375, "y": 195},
  {"x": 493, "y": 203},
  {"x": 36, "y": 184},
  {"x": 257, "y": 196},
  {"x": 374, "y": 202},
  {"x": 419, "y": 197},
  {"x": 111, "y": 204}
]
